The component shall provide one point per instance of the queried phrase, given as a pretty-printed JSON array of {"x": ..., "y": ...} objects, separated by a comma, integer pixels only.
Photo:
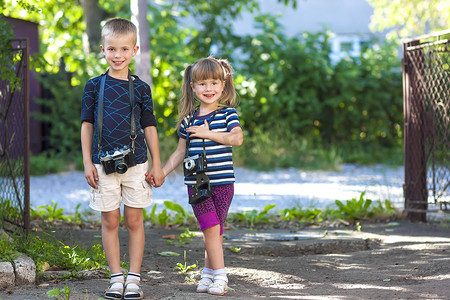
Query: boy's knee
[
  {"x": 111, "y": 221},
  {"x": 133, "y": 224}
]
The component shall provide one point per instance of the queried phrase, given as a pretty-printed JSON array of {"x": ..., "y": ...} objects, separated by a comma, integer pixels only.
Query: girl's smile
[{"x": 208, "y": 91}]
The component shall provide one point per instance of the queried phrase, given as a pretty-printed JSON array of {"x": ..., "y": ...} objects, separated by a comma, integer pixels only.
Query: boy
[{"x": 115, "y": 165}]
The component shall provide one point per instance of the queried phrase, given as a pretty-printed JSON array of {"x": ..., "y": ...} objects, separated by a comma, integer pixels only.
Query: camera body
[
  {"x": 118, "y": 160},
  {"x": 195, "y": 164},
  {"x": 202, "y": 188}
]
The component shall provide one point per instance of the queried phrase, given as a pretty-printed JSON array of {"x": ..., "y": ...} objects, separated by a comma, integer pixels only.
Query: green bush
[
  {"x": 316, "y": 113},
  {"x": 46, "y": 163}
]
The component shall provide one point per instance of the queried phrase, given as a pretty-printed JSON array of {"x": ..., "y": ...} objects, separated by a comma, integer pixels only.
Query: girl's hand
[
  {"x": 199, "y": 131},
  {"x": 155, "y": 177}
]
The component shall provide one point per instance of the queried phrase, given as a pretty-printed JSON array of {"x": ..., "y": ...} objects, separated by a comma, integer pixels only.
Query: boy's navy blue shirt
[{"x": 117, "y": 114}]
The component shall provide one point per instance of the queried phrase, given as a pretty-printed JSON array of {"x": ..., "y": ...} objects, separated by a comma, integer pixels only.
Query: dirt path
[{"x": 407, "y": 261}]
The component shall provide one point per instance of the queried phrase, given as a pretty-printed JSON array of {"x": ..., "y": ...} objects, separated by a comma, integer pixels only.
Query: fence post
[{"x": 415, "y": 188}]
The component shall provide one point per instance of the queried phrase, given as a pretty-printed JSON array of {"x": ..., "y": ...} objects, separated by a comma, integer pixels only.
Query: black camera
[
  {"x": 201, "y": 190},
  {"x": 195, "y": 164},
  {"x": 118, "y": 160}
]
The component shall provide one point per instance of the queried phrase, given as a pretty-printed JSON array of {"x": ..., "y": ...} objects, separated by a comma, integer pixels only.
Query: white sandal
[
  {"x": 116, "y": 292},
  {"x": 133, "y": 293},
  {"x": 219, "y": 286},
  {"x": 205, "y": 281}
]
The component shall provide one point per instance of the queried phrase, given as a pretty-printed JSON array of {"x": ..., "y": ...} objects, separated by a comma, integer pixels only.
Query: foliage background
[{"x": 298, "y": 109}]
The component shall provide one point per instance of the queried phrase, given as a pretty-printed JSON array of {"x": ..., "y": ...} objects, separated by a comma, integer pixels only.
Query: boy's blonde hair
[
  {"x": 118, "y": 26},
  {"x": 203, "y": 69}
]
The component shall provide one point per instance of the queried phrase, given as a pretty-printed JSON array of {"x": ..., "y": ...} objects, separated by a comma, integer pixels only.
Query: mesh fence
[
  {"x": 426, "y": 67},
  {"x": 14, "y": 143}
]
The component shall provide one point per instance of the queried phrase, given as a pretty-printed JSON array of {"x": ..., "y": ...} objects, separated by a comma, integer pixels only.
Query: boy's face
[{"x": 119, "y": 51}]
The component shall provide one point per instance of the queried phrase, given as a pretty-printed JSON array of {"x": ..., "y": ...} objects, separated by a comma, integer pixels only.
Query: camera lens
[
  {"x": 189, "y": 164},
  {"x": 120, "y": 166}
]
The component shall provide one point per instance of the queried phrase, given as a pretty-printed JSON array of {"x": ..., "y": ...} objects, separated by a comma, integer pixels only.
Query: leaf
[
  {"x": 168, "y": 253},
  {"x": 45, "y": 266},
  {"x": 175, "y": 207}
]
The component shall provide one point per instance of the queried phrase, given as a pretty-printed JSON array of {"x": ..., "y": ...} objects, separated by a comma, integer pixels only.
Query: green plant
[
  {"x": 183, "y": 239},
  {"x": 63, "y": 293},
  {"x": 8, "y": 211},
  {"x": 8, "y": 250},
  {"x": 48, "y": 213},
  {"x": 47, "y": 163},
  {"x": 253, "y": 217},
  {"x": 355, "y": 209},
  {"x": 181, "y": 216},
  {"x": 309, "y": 216},
  {"x": 49, "y": 252},
  {"x": 184, "y": 268},
  {"x": 235, "y": 249}
]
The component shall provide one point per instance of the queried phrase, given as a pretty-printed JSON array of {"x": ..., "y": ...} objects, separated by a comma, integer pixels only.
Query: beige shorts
[{"x": 129, "y": 188}]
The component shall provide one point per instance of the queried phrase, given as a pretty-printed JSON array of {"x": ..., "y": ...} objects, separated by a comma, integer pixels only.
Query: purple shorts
[{"x": 214, "y": 210}]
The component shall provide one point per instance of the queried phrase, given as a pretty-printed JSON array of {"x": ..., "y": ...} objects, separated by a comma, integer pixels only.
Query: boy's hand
[
  {"x": 155, "y": 177},
  {"x": 90, "y": 172}
]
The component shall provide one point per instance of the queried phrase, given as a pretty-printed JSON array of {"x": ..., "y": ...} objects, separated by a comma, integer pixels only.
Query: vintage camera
[
  {"x": 118, "y": 160},
  {"x": 195, "y": 164},
  {"x": 201, "y": 190}
]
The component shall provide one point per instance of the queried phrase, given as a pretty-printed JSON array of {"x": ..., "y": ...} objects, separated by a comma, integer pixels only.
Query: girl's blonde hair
[{"x": 204, "y": 69}]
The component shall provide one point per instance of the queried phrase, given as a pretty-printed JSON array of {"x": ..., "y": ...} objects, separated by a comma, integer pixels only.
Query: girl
[{"x": 209, "y": 124}]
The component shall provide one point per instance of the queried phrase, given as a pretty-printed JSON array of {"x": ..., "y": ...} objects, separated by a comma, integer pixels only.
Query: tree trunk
[
  {"x": 93, "y": 15},
  {"x": 143, "y": 59}
]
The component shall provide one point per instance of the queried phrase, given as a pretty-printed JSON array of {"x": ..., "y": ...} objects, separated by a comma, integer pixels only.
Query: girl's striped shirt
[{"x": 220, "y": 161}]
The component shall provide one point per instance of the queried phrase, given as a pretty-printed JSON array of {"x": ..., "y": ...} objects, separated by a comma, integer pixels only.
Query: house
[{"x": 348, "y": 20}]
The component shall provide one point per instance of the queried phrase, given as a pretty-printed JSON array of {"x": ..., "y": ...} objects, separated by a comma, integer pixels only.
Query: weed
[
  {"x": 183, "y": 239},
  {"x": 355, "y": 209},
  {"x": 7, "y": 249},
  {"x": 184, "y": 268},
  {"x": 63, "y": 294},
  {"x": 309, "y": 216},
  {"x": 181, "y": 216},
  {"x": 48, "y": 213},
  {"x": 253, "y": 217},
  {"x": 235, "y": 249}
]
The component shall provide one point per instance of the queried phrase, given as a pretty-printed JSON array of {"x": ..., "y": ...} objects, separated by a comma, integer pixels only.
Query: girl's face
[
  {"x": 119, "y": 52},
  {"x": 208, "y": 91}
]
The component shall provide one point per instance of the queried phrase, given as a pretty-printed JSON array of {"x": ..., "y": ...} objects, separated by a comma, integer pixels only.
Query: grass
[{"x": 49, "y": 252}]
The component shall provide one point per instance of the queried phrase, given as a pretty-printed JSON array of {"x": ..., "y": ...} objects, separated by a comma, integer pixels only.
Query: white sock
[
  {"x": 133, "y": 279},
  {"x": 207, "y": 271},
  {"x": 114, "y": 277},
  {"x": 220, "y": 272}
]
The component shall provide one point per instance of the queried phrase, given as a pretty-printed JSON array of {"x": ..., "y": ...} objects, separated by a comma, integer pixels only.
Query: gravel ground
[{"x": 286, "y": 188}]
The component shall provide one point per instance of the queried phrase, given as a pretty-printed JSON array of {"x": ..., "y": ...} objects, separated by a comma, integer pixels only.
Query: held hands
[
  {"x": 90, "y": 172},
  {"x": 155, "y": 177},
  {"x": 199, "y": 131}
]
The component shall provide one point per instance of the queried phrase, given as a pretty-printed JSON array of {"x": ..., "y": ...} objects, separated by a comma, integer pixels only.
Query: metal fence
[
  {"x": 15, "y": 143},
  {"x": 426, "y": 82}
]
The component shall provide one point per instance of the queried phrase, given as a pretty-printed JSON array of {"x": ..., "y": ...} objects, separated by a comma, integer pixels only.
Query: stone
[
  {"x": 7, "y": 276},
  {"x": 25, "y": 270}
]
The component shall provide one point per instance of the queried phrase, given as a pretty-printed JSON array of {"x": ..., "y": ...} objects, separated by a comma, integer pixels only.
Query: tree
[
  {"x": 408, "y": 18},
  {"x": 93, "y": 14}
]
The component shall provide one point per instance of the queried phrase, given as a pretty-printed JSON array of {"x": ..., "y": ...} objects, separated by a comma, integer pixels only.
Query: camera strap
[
  {"x": 190, "y": 123},
  {"x": 100, "y": 111}
]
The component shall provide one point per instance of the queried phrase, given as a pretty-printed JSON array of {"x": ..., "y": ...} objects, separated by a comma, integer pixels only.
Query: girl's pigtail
[
  {"x": 229, "y": 92},
  {"x": 187, "y": 100}
]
